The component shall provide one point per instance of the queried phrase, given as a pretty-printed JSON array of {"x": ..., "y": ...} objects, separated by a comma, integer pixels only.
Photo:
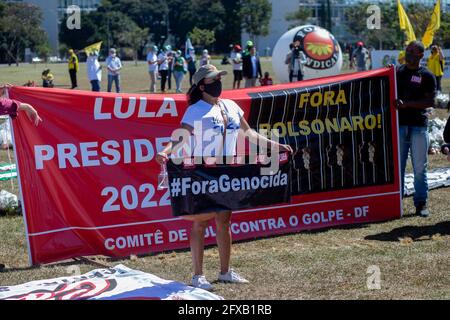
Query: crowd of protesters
[
  {"x": 166, "y": 64},
  {"x": 416, "y": 85}
]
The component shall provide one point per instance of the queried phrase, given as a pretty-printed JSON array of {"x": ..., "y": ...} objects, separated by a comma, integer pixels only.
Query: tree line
[
  {"x": 131, "y": 24},
  {"x": 20, "y": 28},
  {"x": 211, "y": 24},
  {"x": 389, "y": 36}
]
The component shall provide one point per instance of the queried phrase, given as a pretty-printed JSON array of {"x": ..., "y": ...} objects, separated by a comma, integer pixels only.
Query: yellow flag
[
  {"x": 93, "y": 47},
  {"x": 433, "y": 26},
  {"x": 405, "y": 25}
]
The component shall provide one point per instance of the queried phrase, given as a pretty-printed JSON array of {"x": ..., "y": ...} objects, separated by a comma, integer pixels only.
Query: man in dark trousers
[
  {"x": 251, "y": 68},
  {"x": 416, "y": 90},
  {"x": 73, "y": 68}
]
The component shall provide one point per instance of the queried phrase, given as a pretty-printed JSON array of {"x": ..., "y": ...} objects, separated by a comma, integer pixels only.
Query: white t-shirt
[
  {"x": 236, "y": 56},
  {"x": 204, "y": 60},
  {"x": 208, "y": 124},
  {"x": 151, "y": 57},
  {"x": 93, "y": 68},
  {"x": 165, "y": 64}
]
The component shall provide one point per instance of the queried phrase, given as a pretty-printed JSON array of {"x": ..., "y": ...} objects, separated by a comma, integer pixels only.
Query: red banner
[{"x": 89, "y": 178}]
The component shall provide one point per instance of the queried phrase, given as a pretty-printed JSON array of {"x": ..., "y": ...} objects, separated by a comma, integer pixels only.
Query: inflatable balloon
[{"x": 322, "y": 52}]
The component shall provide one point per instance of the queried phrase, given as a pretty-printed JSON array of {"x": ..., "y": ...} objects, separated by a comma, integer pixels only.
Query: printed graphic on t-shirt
[{"x": 416, "y": 79}]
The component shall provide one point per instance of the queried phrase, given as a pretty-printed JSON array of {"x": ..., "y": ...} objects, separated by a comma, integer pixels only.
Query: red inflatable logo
[{"x": 319, "y": 46}]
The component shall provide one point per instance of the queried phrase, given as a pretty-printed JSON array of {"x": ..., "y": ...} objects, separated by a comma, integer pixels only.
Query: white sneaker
[
  {"x": 232, "y": 277},
  {"x": 199, "y": 281}
]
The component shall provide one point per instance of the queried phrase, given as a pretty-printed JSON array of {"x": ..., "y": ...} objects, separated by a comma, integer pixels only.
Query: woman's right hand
[
  {"x": 31, "y": 113},
  {"x": 287, "y": 148},
  {"x": 162, "y": 158}
]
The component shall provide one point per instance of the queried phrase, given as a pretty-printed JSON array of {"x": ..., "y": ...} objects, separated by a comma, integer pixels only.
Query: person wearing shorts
[
  {"x": 236, "y": 61},
  {"x": 217, "y": 117}
]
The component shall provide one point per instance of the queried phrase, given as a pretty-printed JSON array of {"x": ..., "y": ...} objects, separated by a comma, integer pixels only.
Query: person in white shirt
[
  {"x": 205, "y": 59},
  {"x": 114, "y": 66},
  {"x": 163, "y": 66},
  {"x": 236, "y": 60},
  {"x": 222, "y": 118},
  {"x": 152, "y": 60},
  {"x": 94, "y": 71}
]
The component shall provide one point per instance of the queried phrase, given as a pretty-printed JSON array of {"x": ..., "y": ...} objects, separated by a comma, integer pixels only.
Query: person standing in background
[
  {"x": 251, "y": 68},
  {"x": 288, "y": 61},
  {"x": 401, "y": 57},
  {"x": 152, "y": 61},
  {"x": 248, "y": 46},
  {"x": 179, "y": 70},
  {"x": 297, "y": 59},
  {"x": 114, "y": 66},
  {"x": 360, "y": 55},
  {"x": 73, "y": 68},
  {"x": 170, "y": 62},
  {"x": 192, "y": 63},
  {"x": 236, "y": 61},
  {"x": 94, "y": 71},
  {"x": 416, "y": 90},
  {"x": 163, "y": 66},
  {"x": 435, "y": 64},
  {"x": 205, "y": 59}
]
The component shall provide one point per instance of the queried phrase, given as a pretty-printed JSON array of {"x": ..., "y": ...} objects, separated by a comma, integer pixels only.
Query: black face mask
[{"x": 214, "y": 89}]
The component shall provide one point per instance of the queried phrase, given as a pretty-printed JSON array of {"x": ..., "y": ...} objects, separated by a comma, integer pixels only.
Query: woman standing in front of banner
[{"x": 226, "y": 117}]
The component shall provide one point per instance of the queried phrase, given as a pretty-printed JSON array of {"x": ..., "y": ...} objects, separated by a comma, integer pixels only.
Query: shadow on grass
[
  {"x": 284, "y": 234},
  {"x": 416, "y": 233},
  {"x": 442, "y": 228},
  {"x": 67, "y": 263}
]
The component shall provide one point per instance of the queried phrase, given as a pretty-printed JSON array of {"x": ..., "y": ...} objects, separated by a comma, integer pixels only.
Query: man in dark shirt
[
  {"x": 251, "y": 68},
  {"x": 416, "y": 89}
]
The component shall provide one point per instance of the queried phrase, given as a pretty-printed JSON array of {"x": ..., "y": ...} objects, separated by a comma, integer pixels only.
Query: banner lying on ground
[
  {"x": 117, "y": 283},
  {"x": 89, "y": 177},
  {"x": 7, "y": 171},
  {"x": 381, "y": 58}
]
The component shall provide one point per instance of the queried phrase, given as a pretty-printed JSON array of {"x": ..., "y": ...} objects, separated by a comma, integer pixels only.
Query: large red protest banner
[{"x": 88, "y": 175}]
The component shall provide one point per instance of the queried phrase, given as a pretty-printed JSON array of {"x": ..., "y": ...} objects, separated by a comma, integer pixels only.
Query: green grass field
[{"x": 412, "y": 253}]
